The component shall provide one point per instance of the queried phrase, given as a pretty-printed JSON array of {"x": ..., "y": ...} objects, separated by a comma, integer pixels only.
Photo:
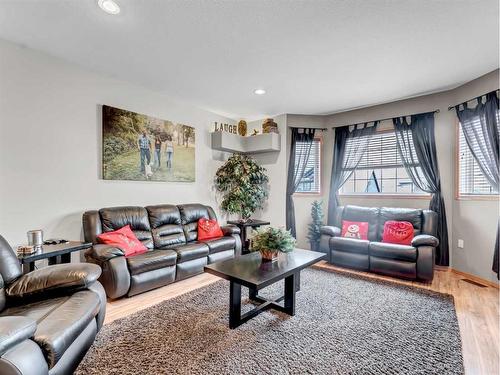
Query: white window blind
[
  {"x": 380, "y": 170},
  {"x": 311, "y": 181},
  {"x": 471, "y": 179}
]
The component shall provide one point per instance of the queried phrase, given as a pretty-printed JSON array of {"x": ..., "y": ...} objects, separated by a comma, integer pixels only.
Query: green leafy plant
[
  {"x": 276, "y": 239},
  {"x": 243, "y": 185},
  {"x": 314, "y": 233}
]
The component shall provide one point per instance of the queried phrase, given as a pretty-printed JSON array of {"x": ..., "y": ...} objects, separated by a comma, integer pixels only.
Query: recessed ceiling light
[
  {"x": 109, "y": 6},
  {"x": 260, "y": 92}
]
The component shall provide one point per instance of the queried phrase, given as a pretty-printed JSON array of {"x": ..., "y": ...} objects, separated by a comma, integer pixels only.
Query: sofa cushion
[
  {"x": 190, "y": 214},
  {"x": 114, "y": 218},
  {"x": 355, "y": 229},
  {"x": 151, "y": 260},
  {"x": 393, "y": 251},
  {"x": 349, "y": 245},
  {"x": 190, "y": 251},
  {"x": 208, "y": 229},
  {"x": 220, "y": 244},
  {"x": 412, "y": 215},
  {"x": 399, "y": 232},
  {"x": 123, "y": 239},
  {"x": 166, "y": 226},
  {"x": 368, "y": 214}
]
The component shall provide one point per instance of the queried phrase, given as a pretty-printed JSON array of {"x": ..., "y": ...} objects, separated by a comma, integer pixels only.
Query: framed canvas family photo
[{"x": 143, "y": 148}]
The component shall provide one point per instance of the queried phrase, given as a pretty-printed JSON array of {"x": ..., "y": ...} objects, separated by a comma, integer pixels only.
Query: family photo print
[{"x": 143, "y": 148}]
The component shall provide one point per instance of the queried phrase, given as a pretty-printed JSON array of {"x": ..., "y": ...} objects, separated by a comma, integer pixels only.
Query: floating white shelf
[{"x": 256, "y": 144}]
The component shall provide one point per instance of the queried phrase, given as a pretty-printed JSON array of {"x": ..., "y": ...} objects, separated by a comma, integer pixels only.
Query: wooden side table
[
  {"x": 55, "y": 254},
  {"x": 243, "y": 225}
]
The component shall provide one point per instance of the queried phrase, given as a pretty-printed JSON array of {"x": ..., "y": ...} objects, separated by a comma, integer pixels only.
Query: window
[
  {"x": 471, "y": 180},
  {"x": 380, "y": 170},
  {"x": 311, "y": 181}
]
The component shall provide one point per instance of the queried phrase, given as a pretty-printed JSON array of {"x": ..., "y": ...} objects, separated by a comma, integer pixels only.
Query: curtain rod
[
  {"x": 300, "y": 127},
  {"x": 384, "y": 119},
  {"x": 469, "y": 100}
]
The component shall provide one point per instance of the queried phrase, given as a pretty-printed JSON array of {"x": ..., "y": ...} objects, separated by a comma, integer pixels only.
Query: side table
[
  {"x": 55, "y": 254},
  {"x": 243, "y": 225}
]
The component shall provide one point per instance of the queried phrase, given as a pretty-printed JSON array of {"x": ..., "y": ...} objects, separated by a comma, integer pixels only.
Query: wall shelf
[{"x": 256, "y": 144}]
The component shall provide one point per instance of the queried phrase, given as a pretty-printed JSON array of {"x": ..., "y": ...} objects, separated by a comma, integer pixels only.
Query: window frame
[
  {"x": 425, "y": 196},
  {"x": 466, "y": 197},
  {"x": 320, "y": 191}
]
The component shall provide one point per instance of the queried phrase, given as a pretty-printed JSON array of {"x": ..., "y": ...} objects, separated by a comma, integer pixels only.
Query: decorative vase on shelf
[{"x": 272, "y": 241}]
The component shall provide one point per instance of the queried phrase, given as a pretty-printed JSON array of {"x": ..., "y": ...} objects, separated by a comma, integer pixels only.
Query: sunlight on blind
[
  {"x": 311, "y": 182},
  {"x": 471, "y": 179}
]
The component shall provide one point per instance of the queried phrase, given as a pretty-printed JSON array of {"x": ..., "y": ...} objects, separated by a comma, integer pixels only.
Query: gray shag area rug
[{"x": 344, "y": 324}]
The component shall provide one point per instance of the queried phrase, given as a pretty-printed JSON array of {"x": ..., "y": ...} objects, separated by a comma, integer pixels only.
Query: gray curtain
[
  {"x": 480, "y": 126},
  {"x": 417, "y": 149},
  {"x": 351, "y": 143},
  {"x": 296, "y": 167}
]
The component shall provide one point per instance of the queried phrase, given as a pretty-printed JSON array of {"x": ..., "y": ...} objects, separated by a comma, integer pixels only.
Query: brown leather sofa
[
  {"x": 415, "y": 261},
  {"x": 170, "y": 234},
  {"x": 49, "y": 317}
]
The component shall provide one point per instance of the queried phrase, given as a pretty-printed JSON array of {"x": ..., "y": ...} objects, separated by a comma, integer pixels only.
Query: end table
[
  {"x": 55, "y": 254},
  {"x": 243, "y": 225}
]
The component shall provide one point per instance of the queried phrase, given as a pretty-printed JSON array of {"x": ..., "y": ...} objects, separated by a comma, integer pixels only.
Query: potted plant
[
  {"x": 271, "y": 241},
  {"x": 243, "y": 185},
  {"x": 314, "y": 233}
]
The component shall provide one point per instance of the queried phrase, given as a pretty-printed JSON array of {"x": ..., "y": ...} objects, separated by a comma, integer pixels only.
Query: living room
[{"x": 338, "y": 160}]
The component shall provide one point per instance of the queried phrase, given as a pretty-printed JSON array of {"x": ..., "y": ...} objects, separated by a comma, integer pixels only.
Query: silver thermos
[{"x": 35, "y": 238}]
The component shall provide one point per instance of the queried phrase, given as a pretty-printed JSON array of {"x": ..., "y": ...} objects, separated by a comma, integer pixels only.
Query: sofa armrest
[
  {"x": 53, "y": 280},
  {"x": 103, "y": 252},
  {"x": 14, "y": 330},
  {"x": 330, "y": 230},
  {"x": 229, "y": 230},
  {"x": 424, "y": 240}
]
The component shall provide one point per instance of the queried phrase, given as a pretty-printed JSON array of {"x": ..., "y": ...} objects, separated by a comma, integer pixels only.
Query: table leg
[
  {"x": 290, "y": 284},
  {"x": 28, "y": 267},
  {"x": 252, "y": 293},
  {"x": 297, "y": 282},
  {"x": 66, "y": 258},
  {"x": 234, "y": 304},
  {"x": 52, "y": 260}
]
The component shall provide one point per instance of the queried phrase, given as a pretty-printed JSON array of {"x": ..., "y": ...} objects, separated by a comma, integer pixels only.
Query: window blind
[
  {"x": 311, "y": 182},
  {"x": 381, "y": 152},
  {"x": 471, "y": 179}
]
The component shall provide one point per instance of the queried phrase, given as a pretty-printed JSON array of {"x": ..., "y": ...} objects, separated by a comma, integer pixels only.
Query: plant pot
[
  {"x": 269, "y": 255},
  {"x": 314, "y": 246}
]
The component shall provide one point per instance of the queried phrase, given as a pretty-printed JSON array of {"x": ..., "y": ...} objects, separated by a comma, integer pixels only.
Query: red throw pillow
[
  {"x": 208, "y": 228},
  {"x": 355, "y": 229},
  {"x": 125, "y": 239},
  {"x": 399, "y": 232}
]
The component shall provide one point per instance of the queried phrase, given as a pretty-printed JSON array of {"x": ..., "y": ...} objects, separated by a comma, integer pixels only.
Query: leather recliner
[
  {"x": 48, "y": 317},
  {"x": 171, "y": 235},
  {"x": 415, "y": 261}
]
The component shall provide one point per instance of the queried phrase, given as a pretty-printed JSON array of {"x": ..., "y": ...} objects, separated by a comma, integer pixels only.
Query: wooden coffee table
[{"x": 249, "y": 270}]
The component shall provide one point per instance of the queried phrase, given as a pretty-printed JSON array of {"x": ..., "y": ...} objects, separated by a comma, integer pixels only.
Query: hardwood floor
[{"x": 477, "y": 311}]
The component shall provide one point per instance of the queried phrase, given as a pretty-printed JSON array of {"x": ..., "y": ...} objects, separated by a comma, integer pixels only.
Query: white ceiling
[{"x": 312, "y": 57}]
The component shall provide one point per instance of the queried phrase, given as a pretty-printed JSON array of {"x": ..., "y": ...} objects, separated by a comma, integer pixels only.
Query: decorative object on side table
[
  {"x": 269, "y": 126},
  {"x": 314, "y": 234},
  {"x": 272, "y": 241},
  {"x": 243, "y": 185}
]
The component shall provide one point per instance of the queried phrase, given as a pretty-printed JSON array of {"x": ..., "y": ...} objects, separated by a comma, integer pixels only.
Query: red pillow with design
[
  {"x": 398, "y": 232},
  {"x": 125, "y": 239},
  {"x": 208, "y": 228},
  {"x": 355, "y": 229}
]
